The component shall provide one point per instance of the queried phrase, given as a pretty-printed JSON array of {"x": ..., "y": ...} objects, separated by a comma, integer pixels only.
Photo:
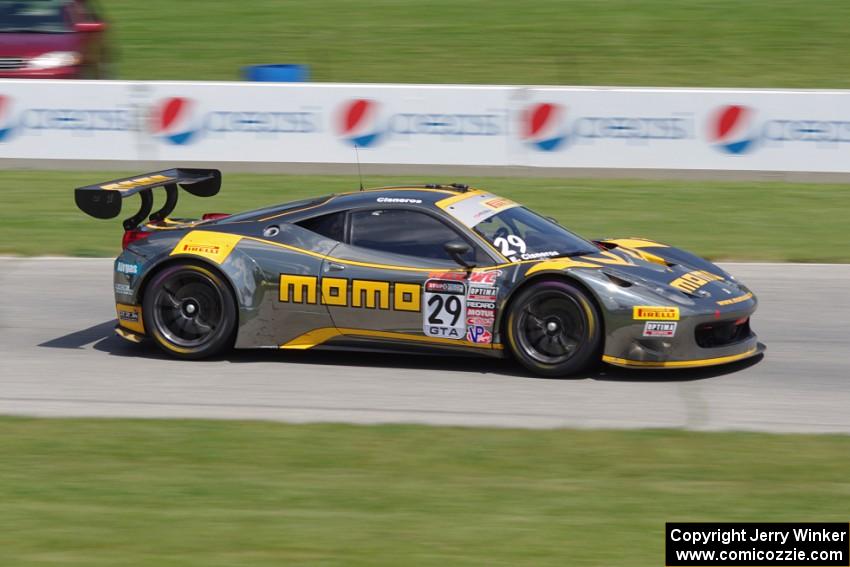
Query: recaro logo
[
  {"x": 358, "y": 122},
  {"x": 173, "y": 120},
  {"x": 7, "y": 127},
  {"x": 731, "y": 129},
  {"x": 543, "y": 126}
]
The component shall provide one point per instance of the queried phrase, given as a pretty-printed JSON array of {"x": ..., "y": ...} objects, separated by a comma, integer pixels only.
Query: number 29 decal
[
  {"x": 445, "y": 309},
  {"x": 510, "y": 245}
]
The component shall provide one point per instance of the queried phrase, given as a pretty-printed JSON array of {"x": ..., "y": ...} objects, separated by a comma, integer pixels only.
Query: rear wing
[{"x": 103, "y": 200}]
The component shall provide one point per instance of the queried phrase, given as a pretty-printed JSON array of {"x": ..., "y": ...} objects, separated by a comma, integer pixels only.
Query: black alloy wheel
[
  {"x": 189, "y": 311},
  {"x": 553, "y": 329}
]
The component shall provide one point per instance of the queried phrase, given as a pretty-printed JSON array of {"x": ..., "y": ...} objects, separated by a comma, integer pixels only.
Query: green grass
[
  {"x": 166, "y": 493},
  {"x": 742, "y": 221},
  {"x": 727, "y": 43}
]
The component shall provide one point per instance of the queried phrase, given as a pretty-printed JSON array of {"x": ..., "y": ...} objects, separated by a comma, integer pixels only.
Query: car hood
[
  {"x": 679, "y": 280},
  {"x": 33, "y": 44}
]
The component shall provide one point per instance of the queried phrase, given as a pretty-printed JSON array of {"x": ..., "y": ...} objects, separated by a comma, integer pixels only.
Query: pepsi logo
[
  {"x": 358, "y": 122},
  {"x": 543, "y": 126},
  {"x": 172, "y": 120},
  {"x": 7, "y": 127},
  {"x": 730, "y": 128}
]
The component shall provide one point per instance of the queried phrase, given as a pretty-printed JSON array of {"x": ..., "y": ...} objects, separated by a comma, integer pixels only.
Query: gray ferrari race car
[{"x": 432, "y": 267}]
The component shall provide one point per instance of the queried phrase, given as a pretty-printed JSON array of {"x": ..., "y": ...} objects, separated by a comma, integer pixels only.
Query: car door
[{"x": 391, "y": 276}]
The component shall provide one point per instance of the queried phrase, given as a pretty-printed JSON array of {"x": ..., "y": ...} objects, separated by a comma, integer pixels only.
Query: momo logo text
[
  {"x": 343, "y": 292},
  {"x": 133, "y": 183},
  {"x": 692, "y": 281}
]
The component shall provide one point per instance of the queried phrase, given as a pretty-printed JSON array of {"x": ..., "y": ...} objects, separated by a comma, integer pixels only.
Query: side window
[
  {"x": 330, "y": 226},
  {"x": 401, "y": 231}
]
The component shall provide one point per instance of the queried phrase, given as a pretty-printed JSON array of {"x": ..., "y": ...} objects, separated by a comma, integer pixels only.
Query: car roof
[
  {"x": 417, "y": 195},
  {"x": 428, "y": 195}
]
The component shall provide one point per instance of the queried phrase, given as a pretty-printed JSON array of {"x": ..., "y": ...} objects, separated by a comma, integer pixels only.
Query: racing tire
[
  {"x": 189, "y": 311},
  {"x": 554, "y": 329}
]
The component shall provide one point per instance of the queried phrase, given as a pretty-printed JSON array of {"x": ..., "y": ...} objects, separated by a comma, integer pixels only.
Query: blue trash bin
[{"x": 278, "y": 73}]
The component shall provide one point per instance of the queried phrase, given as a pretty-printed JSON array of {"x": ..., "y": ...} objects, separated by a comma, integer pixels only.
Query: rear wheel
[
  {"x": 553, "y": 329},
  {"x": 189, "y": 311}
]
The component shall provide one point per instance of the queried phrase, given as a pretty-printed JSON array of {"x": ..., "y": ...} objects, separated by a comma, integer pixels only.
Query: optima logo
[
  {"x": 543, "y": 126},
  {"x": 173, "y": 120},
  {"x": 358, "y": 122},
  {"x": 5, "y": 118},
  {"x": 731, "y": 129}
]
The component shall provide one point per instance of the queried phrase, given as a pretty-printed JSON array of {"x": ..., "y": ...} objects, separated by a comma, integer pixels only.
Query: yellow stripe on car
[
  {"x": 677, "y": 363},
  {"x": 636, "y": 243},
  {"x": 319, "y": 336},
  {"x": 449, "y": 201},
  {"x": 734, "y": 300},
  {"x": 559, "y": 264}
]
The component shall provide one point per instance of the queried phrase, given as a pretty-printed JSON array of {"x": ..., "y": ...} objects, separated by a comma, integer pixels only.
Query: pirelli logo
[
  {"x": 653, "y": 313},
  {"x": 343, "y": 292},
  {"x": 138, "y": 182},
  {"x": 692, "y": 281},
  {"x": 201, "y": 249},
  {"x": 498, "y": 203}
]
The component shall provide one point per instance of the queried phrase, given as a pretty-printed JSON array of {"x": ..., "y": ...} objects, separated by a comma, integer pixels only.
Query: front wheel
[
  {"x": 553, "y": 329},
  {"x": 189, "y": 311}
]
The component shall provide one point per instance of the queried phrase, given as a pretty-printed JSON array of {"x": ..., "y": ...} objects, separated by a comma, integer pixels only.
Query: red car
[{"x": 52, "y": 39}]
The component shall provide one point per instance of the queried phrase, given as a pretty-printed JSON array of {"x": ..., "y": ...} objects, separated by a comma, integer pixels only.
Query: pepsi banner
[{"x": 543, "y": 127}]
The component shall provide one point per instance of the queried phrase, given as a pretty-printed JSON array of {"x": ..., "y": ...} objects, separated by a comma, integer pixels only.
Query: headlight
[{"x": 55, "y": 59}]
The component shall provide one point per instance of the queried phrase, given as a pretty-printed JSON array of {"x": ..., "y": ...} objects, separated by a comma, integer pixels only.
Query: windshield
[
  {"x": 42, "y": 16},
  {"x": 520, "y": 234}
]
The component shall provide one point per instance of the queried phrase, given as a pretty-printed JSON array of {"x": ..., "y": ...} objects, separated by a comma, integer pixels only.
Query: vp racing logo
[
  {"x": 7, "y": 127},
  {"x": 732, "y": 129},
  {"x": 358, "y": 122},
  {"x": 173, "y": 120},
  {"x": 543, "y": 126}
]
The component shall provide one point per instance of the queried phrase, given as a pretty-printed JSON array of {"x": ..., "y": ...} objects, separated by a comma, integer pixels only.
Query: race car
[{"x": 439, "y": 266}]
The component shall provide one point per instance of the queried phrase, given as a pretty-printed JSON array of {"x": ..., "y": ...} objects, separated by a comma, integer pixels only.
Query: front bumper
[
  {"x": 755, "y": 350},
  {"x": 628, "y": 345}
]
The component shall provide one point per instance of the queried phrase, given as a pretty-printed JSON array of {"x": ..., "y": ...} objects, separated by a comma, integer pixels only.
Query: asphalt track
[{"x": 59, "y": 357}]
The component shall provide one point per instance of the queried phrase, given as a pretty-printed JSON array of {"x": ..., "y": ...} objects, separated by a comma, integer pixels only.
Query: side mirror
[
  {"x": 456, "y": 251},
  {"x": 89, "y": 27},
  {"x": 554, "y": 220}
]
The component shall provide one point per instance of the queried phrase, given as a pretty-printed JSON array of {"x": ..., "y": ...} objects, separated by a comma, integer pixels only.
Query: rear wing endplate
[{"x": 103, "y": 200}]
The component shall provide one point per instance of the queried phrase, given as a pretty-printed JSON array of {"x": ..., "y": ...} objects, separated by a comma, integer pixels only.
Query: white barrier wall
[{"x": 717, "y": 129}]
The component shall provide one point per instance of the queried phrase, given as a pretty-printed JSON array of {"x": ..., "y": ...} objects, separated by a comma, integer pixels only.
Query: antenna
[{"x": 357, "y": 158}]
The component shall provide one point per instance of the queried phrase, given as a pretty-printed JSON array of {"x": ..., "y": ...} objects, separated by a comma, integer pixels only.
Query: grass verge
[
  {"x": 719, "y": 220},
  {"x": 725, "y": 43},
  {"x": 162, "y": 493}
]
